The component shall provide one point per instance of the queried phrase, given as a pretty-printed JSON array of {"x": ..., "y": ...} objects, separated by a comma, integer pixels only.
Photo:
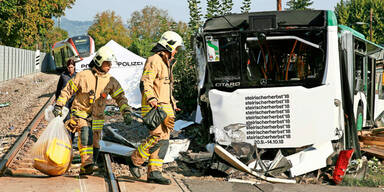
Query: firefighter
[
  {"x": 68, "y": 74},
  {"x": 92, "y": 86},
  {"x": 156, "y": 85}
]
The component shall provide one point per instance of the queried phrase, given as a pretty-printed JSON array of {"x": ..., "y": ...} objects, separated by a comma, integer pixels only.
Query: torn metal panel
[
  {"x": 279, "y": 165},
  {"x": 114, "y": 148},
  {"x": 242, "y": 167},
  {"x": 310, "y": 159},
  {"x": 180, "y": 124},
  {"x": 175, "y": 147}
]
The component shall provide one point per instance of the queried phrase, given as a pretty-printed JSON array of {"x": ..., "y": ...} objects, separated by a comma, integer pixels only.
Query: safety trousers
[
  {"x": 89, "y": 138},
  {"x": 154, "y": 147}
]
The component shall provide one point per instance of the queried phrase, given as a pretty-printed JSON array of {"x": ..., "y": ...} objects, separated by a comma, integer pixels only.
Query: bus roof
[
  {"x": 310, "y": 18},
  {"x": 373, "y": 49},
  {"x": 354, "y": 32}
]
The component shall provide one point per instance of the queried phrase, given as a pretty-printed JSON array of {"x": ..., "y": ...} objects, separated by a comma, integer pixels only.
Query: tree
[
  {"x": 299, "y": 4},
  {"x": 54, "y": 35},
  {"x": 147, "y": 25},
  {"x": 194, "y": 16},
  {"x": 246, "y": 6},
  {"x": 109, "y": 26},
  {"x": 213, "y": 7},
  {"x": 226, "y": 7},
  {"x": 356, "y": 14},
  {"x": 145, "y": 29},
  {"x": 24, "y": 23}
]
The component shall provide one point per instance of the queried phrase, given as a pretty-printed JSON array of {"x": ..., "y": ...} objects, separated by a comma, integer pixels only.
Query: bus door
[
  {"x": 360, "y": 68},
  {"x": 371, "y": 88}
]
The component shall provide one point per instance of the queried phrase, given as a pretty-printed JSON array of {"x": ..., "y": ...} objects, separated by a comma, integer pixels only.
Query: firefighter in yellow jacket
[
  {"x": 156, "y": 86},
  {"x": 92, "y": 86}
]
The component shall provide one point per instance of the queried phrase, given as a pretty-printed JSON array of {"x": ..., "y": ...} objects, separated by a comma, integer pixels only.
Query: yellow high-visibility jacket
[
  {"x": 157, "y": 82},
  {"x": 92, "y": 88}
]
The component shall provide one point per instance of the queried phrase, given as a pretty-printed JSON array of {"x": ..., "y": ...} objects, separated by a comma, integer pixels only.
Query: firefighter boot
[
  {"x": 99, "y": 161},
  {"x": 156, "y": 177},
  {"x": 133, "y": 168},
  {"x": 86, "y": 170}
]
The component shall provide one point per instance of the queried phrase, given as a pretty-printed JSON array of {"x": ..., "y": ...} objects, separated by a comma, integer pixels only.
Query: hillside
[{"x": 74, "y": 27}]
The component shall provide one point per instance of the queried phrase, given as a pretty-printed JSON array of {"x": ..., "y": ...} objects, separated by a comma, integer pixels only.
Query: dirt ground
[{"x": 20, "y": 100}]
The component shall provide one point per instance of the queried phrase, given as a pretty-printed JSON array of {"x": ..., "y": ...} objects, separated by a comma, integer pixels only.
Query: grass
[{"x": 374, "y": 176}]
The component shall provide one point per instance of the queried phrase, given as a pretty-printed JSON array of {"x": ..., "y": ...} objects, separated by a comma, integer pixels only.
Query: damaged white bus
[{"x": 289, "y": 81}]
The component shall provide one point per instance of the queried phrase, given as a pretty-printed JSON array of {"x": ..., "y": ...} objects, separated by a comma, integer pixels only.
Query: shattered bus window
[
  {"x": 283, "y": 60},
  {"x": 223, "y": 53}
]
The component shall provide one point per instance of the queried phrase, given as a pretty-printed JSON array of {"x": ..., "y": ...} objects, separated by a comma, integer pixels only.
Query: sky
[{"x": 85, "y": 10}]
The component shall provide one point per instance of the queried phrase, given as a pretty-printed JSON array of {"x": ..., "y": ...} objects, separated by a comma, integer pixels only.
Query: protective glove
[
  {"x": 57, "y": 110},
  {"x": 127, "y": 115},
  {"x": 169, "y": 122}
]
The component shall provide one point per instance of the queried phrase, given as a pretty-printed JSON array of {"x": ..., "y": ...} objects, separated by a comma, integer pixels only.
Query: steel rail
[
  {"x": 112, "y": 181},
  {"x": 23, "y": 138}
]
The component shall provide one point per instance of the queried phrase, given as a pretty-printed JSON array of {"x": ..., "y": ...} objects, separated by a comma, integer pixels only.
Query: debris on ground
[
  {"x": 372, "y": 142},
  {"x": 191, "y": 157},
  {"x": 5, "y": 104},
  {"x": 224, "y": 154}
]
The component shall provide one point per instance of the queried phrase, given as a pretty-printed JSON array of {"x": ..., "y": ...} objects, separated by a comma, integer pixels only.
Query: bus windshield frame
[{"x": 267, "y": 59}]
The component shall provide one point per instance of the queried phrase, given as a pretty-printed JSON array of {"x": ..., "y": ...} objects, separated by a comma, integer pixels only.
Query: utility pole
[
  {"x": 370, "y": 24},
  {"x": 279, "y": 5}
]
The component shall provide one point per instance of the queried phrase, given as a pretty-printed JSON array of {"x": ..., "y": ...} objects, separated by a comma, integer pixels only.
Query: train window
[
  {"x": 62, "y": 57},
  {"x": 58, "y": 59},
  {"x": 83, "y": 46},
  {"x": 70, "y": 53}
]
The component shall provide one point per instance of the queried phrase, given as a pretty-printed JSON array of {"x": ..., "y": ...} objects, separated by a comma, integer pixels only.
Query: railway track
[{"x": 18, "y": 161}]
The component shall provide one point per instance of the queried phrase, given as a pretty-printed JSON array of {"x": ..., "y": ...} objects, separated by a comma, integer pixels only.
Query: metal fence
[{"x": 15, "y": 62}]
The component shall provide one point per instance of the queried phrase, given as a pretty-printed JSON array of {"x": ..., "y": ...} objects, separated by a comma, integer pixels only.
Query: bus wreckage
[{"x": 294, "y": 84}]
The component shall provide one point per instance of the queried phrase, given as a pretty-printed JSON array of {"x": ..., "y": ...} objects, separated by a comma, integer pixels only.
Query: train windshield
[{"x": 82, "y": 45}]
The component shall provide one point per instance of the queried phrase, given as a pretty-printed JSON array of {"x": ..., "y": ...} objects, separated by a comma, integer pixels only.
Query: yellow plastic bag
[
  {"x": 58, "y": 152},
  {"x": 53, "y": 150}
]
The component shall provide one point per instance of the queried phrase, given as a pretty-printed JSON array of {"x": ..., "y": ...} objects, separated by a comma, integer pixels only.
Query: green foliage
[
  {"x": 299, "y": 4},
  {"x": 108, "y": 26},
  {"x": 24, "y": 23},
  {"x": 373, "y": 178},
  {"x": 54, "y": 35},
  {"x": 213, "y": 7},
  {"x": 185, "y": 79},
  {"x": 145, "y": 28},
  {"x": 194, "y": 16},
  {"x": 226, "y": 7},
  {"x": 246, "y": 6},
  {"x": 353, "y": 12}
]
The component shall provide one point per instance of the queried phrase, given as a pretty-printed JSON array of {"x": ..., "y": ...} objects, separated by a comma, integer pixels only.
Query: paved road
[
  {"x": 203, "y": 186},
  {"x": 127, "y": 184}
]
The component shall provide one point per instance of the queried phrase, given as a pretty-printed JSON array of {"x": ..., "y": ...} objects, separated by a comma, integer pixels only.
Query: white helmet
[
  {"x": 171, "y": 40},
  {"x": 103, "y": 54}
]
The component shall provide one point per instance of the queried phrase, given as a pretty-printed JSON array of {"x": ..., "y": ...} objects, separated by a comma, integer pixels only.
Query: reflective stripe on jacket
[
  {"x": 157, "y": 82},
  {"x": 92, "y": 88}
]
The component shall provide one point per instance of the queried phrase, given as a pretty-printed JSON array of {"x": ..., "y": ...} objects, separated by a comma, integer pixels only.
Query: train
[{"x": 76, "y": 47}]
